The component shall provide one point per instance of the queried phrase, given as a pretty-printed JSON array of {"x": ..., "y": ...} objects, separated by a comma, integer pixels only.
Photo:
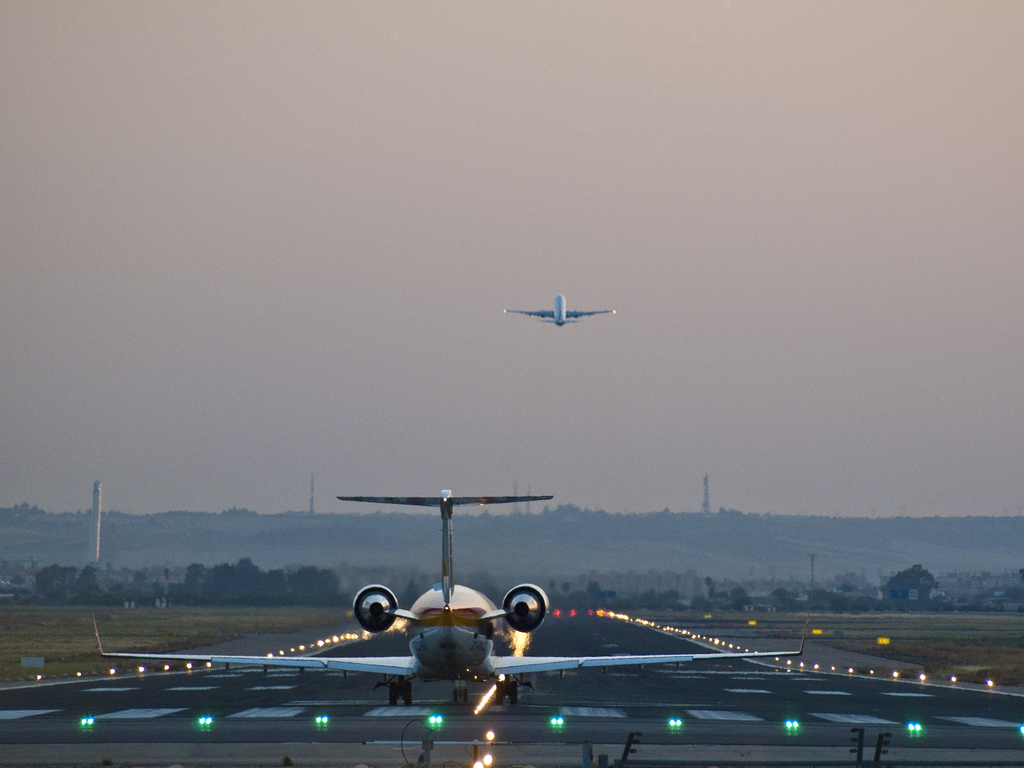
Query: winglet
[
  {"x": 98, "y": 641},
  {"x": 803, "y": 638}
]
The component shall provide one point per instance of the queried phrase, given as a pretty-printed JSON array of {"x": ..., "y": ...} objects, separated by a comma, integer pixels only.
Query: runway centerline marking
[
  {"x": 852, "y": 719},
  {"x": 110, "y": 689},
  {"x": 718, "y": 714},
  {"x": 271, "y": 687},
  {"x": 194, "y": 688},
  {"x": 982, "y": 722},
  {"x": 140, "y": 714},
  {"x": 17, "y": 714},
  {"x": 591, "y": 712},
  {"x": 397, "y": 712},
  {"x": 269, "y": 712},
  {"x": 747, "y": 690},
  {"x": 829, "y": 693},
  {"x": 910, "y": 695}
]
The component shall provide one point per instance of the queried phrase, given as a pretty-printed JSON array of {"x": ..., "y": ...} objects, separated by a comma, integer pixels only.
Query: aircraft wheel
[
  {"x": 513, "y": 691},
  {"x": 392, "y": 694},
  {"x": 407, "y": 692}
]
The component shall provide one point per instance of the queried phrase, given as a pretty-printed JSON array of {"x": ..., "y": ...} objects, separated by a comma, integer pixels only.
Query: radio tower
[
  {"x": 97, "y": 509},
  {"x": 311, "y": 493},
  {"x": 705, "y": 508}
]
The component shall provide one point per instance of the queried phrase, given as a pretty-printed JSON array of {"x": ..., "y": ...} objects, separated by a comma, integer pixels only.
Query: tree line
[{"x": 236, "y": 584}]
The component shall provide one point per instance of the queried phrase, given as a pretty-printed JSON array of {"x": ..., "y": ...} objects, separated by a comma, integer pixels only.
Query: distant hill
[{"x": 561, "y": 542}]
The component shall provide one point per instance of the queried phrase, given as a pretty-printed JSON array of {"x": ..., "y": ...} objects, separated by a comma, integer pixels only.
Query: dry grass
[{"x": 64, "y": 636}]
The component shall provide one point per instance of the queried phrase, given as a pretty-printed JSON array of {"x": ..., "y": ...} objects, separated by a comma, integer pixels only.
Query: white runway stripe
[
  {"x": 269, "y": 712},
  {"x": 271, "y": 687},
  {"x": 110, "y": 689},
  {"x": 397, "y": 712},
  {"x": 139, "y": 714},
  {"x": 851, "y": 719},
  {"x": 17, "y": 714},
  {"x": 982, "y": 722},
  {"x": 911, "y": 695},
  {"x": 829, "y": 693},
  {"x": 718, "y": 714},
  {"x": 747, "y": 690},
  {"x": 194, "y": 688},
  {"x": 591, "y": 712}
]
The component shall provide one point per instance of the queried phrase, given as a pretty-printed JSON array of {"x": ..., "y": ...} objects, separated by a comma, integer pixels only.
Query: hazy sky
[{"x": 243, "y": 242}]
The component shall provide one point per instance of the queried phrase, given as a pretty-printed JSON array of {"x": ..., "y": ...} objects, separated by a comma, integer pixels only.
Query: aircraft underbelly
[{"x": 451, "y": 653}]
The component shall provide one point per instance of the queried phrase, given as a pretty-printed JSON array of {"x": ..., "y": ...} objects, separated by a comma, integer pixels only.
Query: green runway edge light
[
  {"x": 675, "y": 722},
  {"x": 792, "y": 725},
  {"x": 436, "y": 720},
  {"x": 322, "y": 719},
  {"x": 205, "y": 721},
  {"x": 914, "y": 728},
  {"x": 87, "y": 721},
  {"x": 557, "y": 721}
]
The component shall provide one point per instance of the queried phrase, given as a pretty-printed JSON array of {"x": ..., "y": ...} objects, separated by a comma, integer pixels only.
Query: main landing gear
[
  {"x": 506, "y": 689},
  {"x": 459, "y": 692},
  {"x": 400, "y": 689}
]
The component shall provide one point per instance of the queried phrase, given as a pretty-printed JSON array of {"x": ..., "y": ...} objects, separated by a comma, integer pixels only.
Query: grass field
[
  {"x": 974, "y": 647},
  {"x": 64, "y": 636}
]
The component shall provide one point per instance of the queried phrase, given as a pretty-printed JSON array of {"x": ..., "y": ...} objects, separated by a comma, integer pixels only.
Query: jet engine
[
  {"x": 373, "y": 608},
  {"x": 526, "y": 605}
]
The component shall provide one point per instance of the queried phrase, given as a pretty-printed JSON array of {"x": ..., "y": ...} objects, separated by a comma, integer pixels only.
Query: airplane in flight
[
  {"x": 451, "y": 627},
  {"x": 560, "y": 316}
]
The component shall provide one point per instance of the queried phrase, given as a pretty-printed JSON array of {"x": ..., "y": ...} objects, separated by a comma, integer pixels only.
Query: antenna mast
[
  {"x": 705, "y": 508},
  {"x": 97, "y": 509}
]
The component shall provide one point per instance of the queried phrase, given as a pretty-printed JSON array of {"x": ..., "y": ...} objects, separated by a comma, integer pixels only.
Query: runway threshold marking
[
  {"x": 591, "y": 712},
  {"x": 982, "y": 722},
  {"x": 269, "y": 712},
  {"x": 718, "y": 714},
  {"x": 140, "y": 714},
  {"x": 17, "y": 714},
  {"x": 833, "y": 717}
]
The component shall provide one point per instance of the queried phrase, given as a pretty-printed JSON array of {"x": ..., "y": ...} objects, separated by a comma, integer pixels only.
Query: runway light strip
[{"x": 485, "y": 699}]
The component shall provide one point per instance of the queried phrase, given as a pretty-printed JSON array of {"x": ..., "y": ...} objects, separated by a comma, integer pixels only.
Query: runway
[{"x": 737, "y": 706}]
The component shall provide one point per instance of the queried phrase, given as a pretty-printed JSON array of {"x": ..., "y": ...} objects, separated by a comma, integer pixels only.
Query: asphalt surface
[{"x": 734, "y": 709}]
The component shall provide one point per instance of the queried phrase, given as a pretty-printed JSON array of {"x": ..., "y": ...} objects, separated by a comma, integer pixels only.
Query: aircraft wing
[
  {"x": 539, "y": 313},
  {"x": 433, "y": 501},
  {"x": 505, "y": 665},
  {"x": 570, "y": 313},
  {"x": 388, "y": 665}
]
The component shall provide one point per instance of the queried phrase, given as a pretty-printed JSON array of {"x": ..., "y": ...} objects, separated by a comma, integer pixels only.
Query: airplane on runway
[
  {"x": 451, "y": 626},
  {"x": 560, "y": 316}
]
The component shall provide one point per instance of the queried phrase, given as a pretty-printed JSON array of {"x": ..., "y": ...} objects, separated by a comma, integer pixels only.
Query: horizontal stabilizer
[{"x": 434, "y": 501}]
